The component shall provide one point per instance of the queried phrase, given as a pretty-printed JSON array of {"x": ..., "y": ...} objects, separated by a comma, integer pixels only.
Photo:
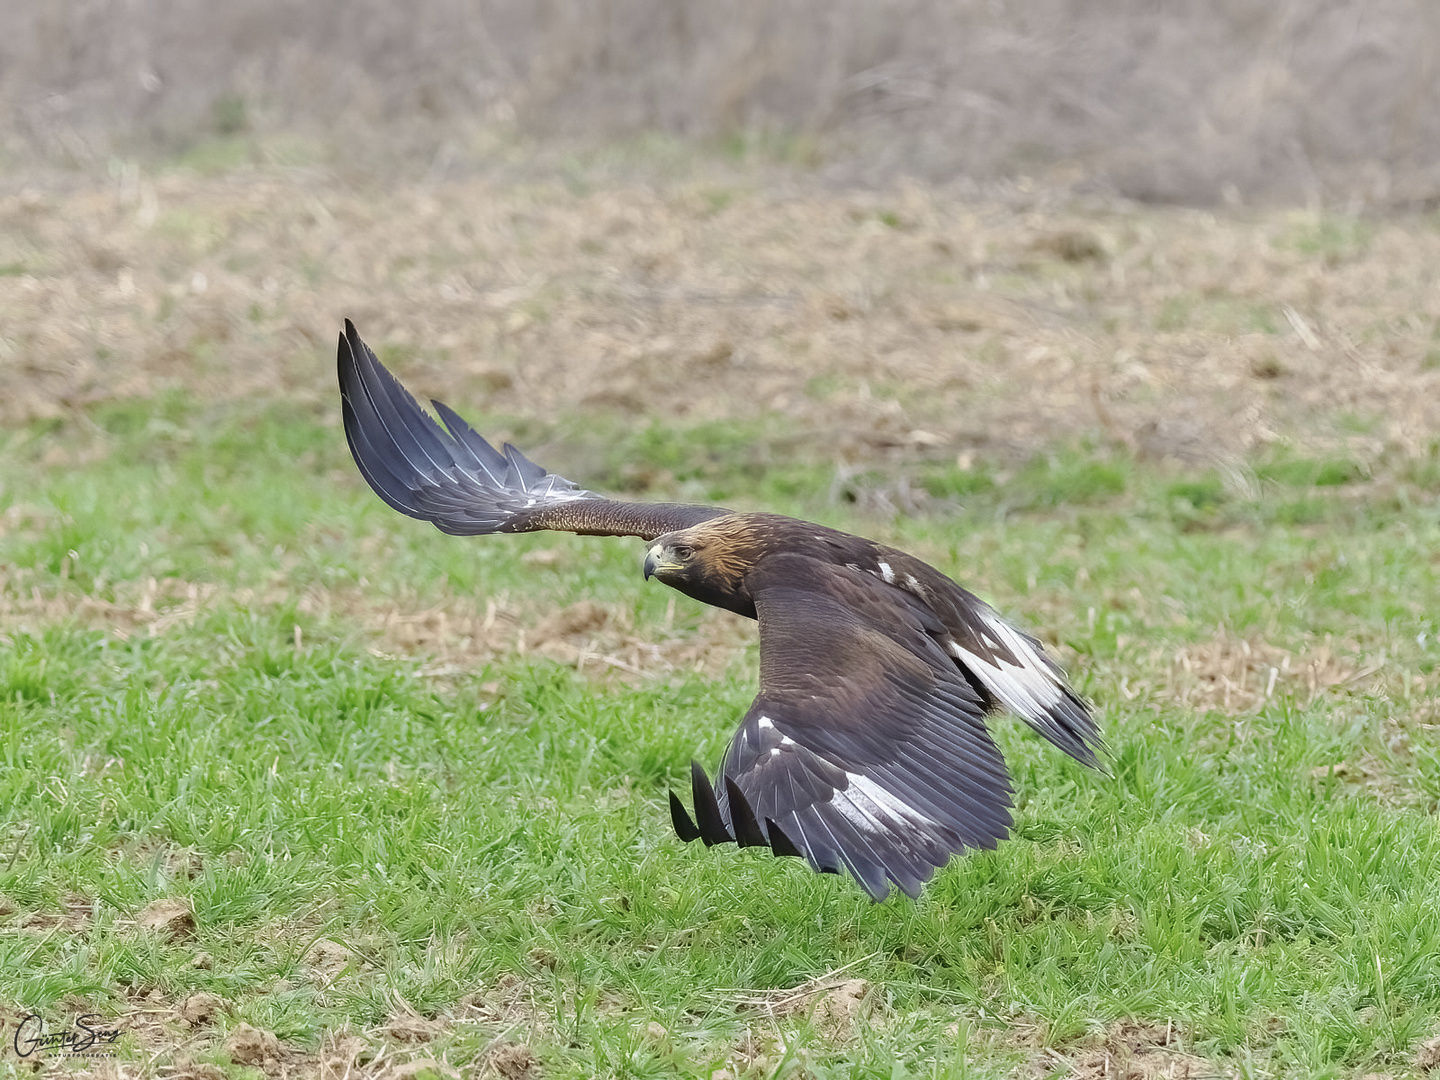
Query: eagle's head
[{"x": 706, "y": 563}]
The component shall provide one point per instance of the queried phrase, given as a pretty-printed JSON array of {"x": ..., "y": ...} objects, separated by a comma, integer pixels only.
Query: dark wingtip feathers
[
  {"x": 780, "y": 843},
  {"x": 442, "y": 472},
  {"x": 707, "y": 808},
  {"x": 684, "y": 826},
  {"x": 709, "y": 823},
  {"x": 742, "y": 817}
]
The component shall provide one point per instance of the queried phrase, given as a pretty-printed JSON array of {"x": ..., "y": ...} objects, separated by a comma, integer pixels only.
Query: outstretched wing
[
  {"x": 866, "y": 749},
  {"x": 452, "y": 477},
  {"x": 1007, "y": 665},
  {"x": 1015, "y": 669}
]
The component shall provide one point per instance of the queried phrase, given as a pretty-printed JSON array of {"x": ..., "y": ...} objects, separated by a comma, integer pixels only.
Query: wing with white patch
[
  {"x": 1014, "y": 668},
  {"x": 866, "y": 750},
  {"x": 1008, "y": 666}
]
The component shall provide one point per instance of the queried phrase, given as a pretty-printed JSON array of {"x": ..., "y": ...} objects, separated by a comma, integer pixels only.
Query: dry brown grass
[
  {"x": 914, "y": 318},
  {"x": 173, "y": 1037},
  {"x": 1131, "y": 1050},
  {"x": 451, "y": 637},
  {"x": 1162, "y": 101},
  {"x": 1239, "y": 675},
  {"x": 835, "y": 1003}
]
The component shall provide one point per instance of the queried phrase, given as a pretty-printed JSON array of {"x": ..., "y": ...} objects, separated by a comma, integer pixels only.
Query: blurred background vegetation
[{"x": 1151, "y": 99}]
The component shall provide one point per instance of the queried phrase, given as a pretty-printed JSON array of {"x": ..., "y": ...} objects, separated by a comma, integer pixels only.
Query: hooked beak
[{"x": 652, "y": 561}]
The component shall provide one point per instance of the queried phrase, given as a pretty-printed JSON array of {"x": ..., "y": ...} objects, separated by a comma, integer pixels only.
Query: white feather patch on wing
[
  {"x": 872, "y": 809},
  {"x": 1030, "y": 689}
]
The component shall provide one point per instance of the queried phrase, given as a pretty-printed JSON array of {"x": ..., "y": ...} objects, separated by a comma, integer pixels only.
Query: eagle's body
[{"x": 866, "y": 748}]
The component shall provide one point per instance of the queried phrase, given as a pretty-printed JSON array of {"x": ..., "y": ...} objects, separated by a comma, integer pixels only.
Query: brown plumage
[{"x": 866, "y": 748}]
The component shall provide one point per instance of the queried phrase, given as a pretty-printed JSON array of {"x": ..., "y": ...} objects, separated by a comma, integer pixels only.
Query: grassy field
[
  {"x": 212, "y": 698},
  {"x": 296, "y": 786}
]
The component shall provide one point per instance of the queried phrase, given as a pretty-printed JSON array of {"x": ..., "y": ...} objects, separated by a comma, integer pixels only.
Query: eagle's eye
[{"x": 683, "y": 552}]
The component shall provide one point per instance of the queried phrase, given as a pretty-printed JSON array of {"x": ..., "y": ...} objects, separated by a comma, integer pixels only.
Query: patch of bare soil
[
  {"x": 186, "y": 1069},
  {"x": 327, "y": 960},
  {"x": 1427, "y": 1057},
  {"x": 174, "y": 1037},
  {"x": 510, "y": 1003},
  {"x": 509, "y": 1060},
  {"x": 1131, "y": 1050},
  {"x": 347, "y": 1056},
  {"x": 168, "y": 917},
  {"x": 201, "y": 1009},
  {"x": 174, "y": 1040},
  {"x": 835, "y": 1004},
  {"x": 73, "y": 919},
  {"x": 405, "y": 1025},
  {"x": 1239, "y": 675},
  {"x": 248, "y": 1045},
  {"x": 343, "y": 1054},
  {"x": 421, "y": 1067},
  {"x": 877, "y": 322}
]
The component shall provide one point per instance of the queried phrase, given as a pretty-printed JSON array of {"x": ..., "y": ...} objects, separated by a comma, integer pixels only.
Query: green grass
[
  {"x": 1334, "y": 238},
  {"x": 491, "y": 847}
]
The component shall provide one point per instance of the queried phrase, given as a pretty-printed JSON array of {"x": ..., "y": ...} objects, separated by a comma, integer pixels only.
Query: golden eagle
[{"x": 867, "y": 748}]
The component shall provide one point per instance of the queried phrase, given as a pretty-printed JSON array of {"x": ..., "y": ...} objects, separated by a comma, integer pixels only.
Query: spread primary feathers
[{"x": 867, "y": 748}]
